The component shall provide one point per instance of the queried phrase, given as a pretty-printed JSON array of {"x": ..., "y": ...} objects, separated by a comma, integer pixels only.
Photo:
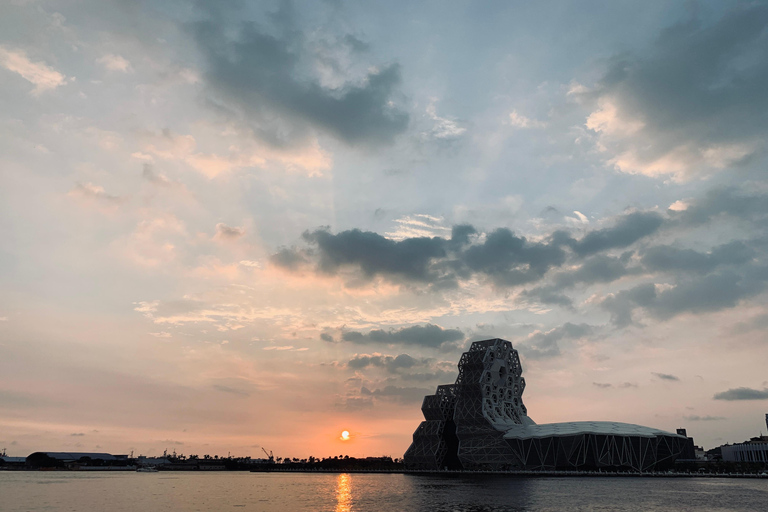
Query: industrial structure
[{"x": 481, "y": 423}]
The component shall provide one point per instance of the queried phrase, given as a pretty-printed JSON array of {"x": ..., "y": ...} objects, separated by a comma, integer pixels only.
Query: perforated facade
[{"x": 480, "y": 422}]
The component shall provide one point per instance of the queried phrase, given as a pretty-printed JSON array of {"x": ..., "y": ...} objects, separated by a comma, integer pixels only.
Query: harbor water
[{"x": 286, "y": 492}]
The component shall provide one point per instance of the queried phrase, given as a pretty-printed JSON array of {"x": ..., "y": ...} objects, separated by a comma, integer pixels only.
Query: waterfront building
[
  {"x": 75, "y": 460},
  {"x": 754, "y": 450},
  {"x": 751, "y": 451},
  {"x": 481, "y": 423}
]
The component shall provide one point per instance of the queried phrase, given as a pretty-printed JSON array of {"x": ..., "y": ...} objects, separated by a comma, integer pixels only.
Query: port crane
[{"x": 268, "y": 454}]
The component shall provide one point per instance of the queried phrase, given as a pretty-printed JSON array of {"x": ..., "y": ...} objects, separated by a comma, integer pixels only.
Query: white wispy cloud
[{"x": 43, "y": 76}]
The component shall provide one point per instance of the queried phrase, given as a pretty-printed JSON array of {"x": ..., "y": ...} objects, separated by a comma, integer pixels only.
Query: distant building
[
  {"x": 480, "y": 422},
  {"x": 751, "y": 451},
  {"x": 65, "y": 459},
  {"x": 12, "y": 462},
  {"x": 689, "y": 451},
  {"x": 755, "y": 450}
]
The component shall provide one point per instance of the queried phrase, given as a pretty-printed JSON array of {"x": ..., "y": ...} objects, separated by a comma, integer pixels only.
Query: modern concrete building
[
  {"x": 480, "y": 422},
  {"x": 751, "y": 451},
  {"x": 755, "y": 450}
]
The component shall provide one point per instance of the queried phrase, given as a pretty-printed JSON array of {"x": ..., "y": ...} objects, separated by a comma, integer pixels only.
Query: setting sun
[{"x": 345, "y": 436}]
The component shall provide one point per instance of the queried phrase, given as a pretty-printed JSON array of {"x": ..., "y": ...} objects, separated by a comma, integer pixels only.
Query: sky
[{"x": 229, "y": 226}]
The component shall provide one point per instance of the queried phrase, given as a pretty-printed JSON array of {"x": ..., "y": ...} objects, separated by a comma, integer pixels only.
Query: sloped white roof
[{"x": 583, "y": 427}]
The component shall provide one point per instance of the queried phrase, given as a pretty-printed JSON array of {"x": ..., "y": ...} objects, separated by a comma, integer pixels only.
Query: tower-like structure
[
  {"x": 464, "y": 423},
  {"x": 489, "y": 392}
]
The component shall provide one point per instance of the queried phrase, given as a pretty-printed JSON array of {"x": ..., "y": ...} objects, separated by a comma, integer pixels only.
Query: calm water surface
[{"x": 131, "y": 492}]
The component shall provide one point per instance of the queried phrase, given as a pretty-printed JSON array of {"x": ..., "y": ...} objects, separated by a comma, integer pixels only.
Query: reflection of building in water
[
  {"x": 343, "y": 493},
  {"x": 480, "y": 422}
]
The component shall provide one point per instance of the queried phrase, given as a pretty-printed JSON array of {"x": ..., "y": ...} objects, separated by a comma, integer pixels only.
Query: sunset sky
[{"x": 235, "y": 225}]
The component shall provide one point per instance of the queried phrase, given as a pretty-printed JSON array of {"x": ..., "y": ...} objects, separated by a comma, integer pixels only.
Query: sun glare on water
[{"x": 344, "y": 436}]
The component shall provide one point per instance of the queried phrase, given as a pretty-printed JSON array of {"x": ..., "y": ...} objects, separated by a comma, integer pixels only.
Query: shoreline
[{"x": 456, "y": 473}]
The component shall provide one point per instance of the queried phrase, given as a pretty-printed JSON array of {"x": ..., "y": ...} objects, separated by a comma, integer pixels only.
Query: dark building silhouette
[{"x": 480, "y": 422}]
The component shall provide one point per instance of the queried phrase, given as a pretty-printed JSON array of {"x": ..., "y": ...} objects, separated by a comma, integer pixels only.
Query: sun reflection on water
[{"x": 344, "y": 493}]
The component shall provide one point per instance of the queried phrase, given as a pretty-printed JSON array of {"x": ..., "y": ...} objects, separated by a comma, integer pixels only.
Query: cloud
[
  {"x": 428, "y": 335},
  {"x": 114, "y": 62},
  {"x": 506, "y": 259},
  {"x": 602, "y": 385},
  {"x": 224, "y": 232},
  {"x": 93, "y": 192},
  {"x": 510, "y": 260},
  {"x": 444, "y": 128},
  {"x": 596, "y": 269},
  {"x": 692, "y": 104},
  {"x": 666, "y": 376},
  {"x": 542, "y": 345},
  {"x": 44, "y": 77},
  {"x": 691, "y": 294},
  {"x": 703, "y": 418},
  {"x": 731, "y": 202},
  {"x": 262, "y": 74},
  {"x": 242, "y": 154},
  {"x": 374, "y": 254},
  {"x": 403, "y": 365},
  {"x": 391, "y": 363},
  {"x": 327, "y": 337},
  {"x": 665, "y": 258},
  {"x": 520, "y": 121},
  {"x": 404, "y": 395},
  {"x": 742, "y": 394},
  {"x": 149, "y": 174},
  {"x": 628, "y": 229}
]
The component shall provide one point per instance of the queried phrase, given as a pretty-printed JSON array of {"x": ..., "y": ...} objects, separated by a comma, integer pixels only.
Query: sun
[{"x": 345, "y": 436}]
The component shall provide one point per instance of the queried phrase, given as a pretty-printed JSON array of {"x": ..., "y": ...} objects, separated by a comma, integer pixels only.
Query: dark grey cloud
[
  {"x": 695, "y": 294},
  {"x": 262, "y": 72},
  {"x": 696, "y": 98},
  {"x": 602, "y": 385},
  {"x": 428, "y": 335},
  {"x": 405, "y": 367},
  {"x": 691, "y": 281},
  {"x": 374, "y": 254},
  {"x": 545, "y": 344},
  {"x": 391, "y": 363},
  {"x": 510, "y": 260},
  {"x": 742, "y": 394},
  {"x": 703, "y": 418},
  {"x": 621, "y": 304},
  {"x": 720, "y": 202},
  {"x": 665, "y": 258},
  {"x": 404, "y": 395},
  {"x": 666, "y": 376},
  {"x": 628, "y": 229},
  {"x": 596, "y": 269},
  {"x": 327, "y": 337},
  {"x": 77, "y": 434},
  {"x": 505, "y": 259}
]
